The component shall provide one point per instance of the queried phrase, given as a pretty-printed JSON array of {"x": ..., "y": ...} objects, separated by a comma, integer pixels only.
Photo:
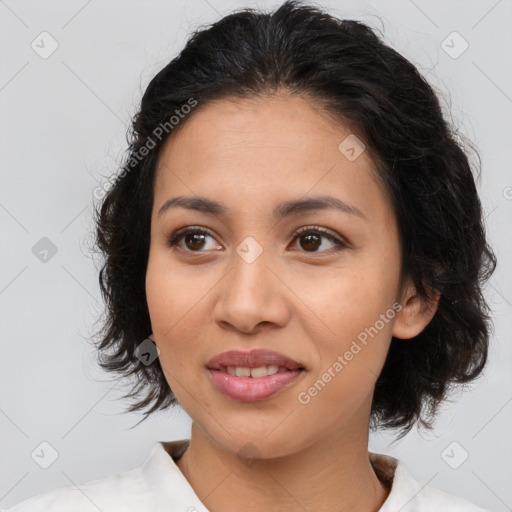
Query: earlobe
[
  {"x": 151, "y": 337},
  {"x": 415, "y": 314}
]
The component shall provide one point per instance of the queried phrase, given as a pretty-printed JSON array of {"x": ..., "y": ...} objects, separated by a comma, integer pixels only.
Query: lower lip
[{"x": 249, "y": 389}]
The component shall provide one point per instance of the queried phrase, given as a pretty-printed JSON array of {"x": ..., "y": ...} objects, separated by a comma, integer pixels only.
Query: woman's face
[{"x": 326, "y": 300}]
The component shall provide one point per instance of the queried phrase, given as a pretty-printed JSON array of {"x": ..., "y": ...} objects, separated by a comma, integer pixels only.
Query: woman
[{"x": 298, "y": 231}]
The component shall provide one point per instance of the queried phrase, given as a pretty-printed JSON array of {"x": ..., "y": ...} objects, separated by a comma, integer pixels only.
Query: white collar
[
  {"x": 158, "y": 485},
  {"x": 172, "y": 491}
]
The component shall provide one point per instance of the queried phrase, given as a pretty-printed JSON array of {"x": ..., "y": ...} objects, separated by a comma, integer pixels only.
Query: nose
[{"x": 252, "y": 297}]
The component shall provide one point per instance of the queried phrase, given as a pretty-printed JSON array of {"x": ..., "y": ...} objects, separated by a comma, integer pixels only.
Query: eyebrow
[{"x": 282, "y": 210}]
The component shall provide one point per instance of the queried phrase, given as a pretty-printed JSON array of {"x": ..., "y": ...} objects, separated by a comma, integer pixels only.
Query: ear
[
  {"x": 151, "y": 337},
  {"x": 415, "y": 313}
]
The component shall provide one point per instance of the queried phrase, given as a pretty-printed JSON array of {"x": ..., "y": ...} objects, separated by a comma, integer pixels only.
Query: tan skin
[{"x": 303, "y": 299}]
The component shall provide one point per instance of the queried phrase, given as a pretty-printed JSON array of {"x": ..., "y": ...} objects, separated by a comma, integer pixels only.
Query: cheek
[
  {"x": 352, "y": 299},
  {"x": 176, "y": 304},
  {"x": 170, "y": 293},
  {"x": 355, "y": 308}
]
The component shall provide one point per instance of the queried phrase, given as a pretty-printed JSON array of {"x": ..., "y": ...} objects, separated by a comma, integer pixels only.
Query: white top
[{"x": 160, "y": 486}]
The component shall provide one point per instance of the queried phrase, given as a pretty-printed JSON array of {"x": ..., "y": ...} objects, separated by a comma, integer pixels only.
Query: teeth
[
  {"x": 242, "y": 372},
  {"x": 271, "y": 369},
  {"x": 260, "y": 371}
]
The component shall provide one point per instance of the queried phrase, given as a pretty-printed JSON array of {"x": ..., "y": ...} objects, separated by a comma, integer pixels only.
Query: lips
[
  {"x": 253, "y": 359},
  {"x": 253, "y": 376}
]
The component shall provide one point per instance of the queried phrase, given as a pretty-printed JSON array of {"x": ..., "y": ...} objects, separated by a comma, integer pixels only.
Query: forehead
[{"x": 255, "y": 149}]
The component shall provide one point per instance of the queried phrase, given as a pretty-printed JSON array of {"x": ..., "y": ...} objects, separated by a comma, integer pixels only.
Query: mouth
[
  {"x": 255, "y": 359},
  {"x": 255, "y": 372},
  {"x": 253, "y": 376}
]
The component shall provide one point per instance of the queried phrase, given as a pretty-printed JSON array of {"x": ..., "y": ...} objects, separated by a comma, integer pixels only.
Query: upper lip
[{"x": 252, "y": 359}]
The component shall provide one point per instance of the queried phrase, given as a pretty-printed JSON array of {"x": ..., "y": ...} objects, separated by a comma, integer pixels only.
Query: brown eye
[
  {"x": 310, "y": 239},
  {"x": 194, "y": 239}
]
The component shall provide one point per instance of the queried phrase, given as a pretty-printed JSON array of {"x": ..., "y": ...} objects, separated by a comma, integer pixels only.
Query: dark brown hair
[{"x": 366, "y": 85}]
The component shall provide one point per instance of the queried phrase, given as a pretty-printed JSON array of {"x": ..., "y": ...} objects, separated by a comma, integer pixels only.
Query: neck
[{"x": 333, "y": 474}]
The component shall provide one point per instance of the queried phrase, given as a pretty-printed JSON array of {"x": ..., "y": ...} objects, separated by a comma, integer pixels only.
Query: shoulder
[
  {"x": 409, "y": 495},
  {"x": 126, "y": 490}
]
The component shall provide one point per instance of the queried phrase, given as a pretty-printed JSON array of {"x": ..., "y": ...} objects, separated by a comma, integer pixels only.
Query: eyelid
[
  {"x": 340, "y": 241},
  {"x": 179, "y": 233},
  {"x": 324, "y": 231}
]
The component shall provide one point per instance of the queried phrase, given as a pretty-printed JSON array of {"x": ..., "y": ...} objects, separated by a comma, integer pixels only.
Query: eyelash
[{"x": 180, "y": 233}]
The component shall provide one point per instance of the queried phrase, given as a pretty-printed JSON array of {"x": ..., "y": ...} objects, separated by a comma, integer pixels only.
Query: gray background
[{"x": 64, "y": 119}]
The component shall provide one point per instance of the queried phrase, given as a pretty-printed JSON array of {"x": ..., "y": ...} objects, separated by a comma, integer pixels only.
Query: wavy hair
[{"x": 361, "y": 83}]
